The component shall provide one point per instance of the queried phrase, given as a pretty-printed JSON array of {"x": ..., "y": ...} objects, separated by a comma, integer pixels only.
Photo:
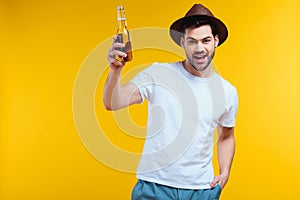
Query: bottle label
[
  {"x": 121, "y": 19},
  {"x": 120, "y": 40}
]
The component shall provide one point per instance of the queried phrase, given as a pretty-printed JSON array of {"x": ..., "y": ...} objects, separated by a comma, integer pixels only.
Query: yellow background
[{"x": 42, "y": 46}]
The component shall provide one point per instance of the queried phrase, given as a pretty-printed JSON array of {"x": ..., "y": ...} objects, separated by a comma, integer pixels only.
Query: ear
[
  {"x": 181, "y": 41},
  {"x": 216, "y": 40}
]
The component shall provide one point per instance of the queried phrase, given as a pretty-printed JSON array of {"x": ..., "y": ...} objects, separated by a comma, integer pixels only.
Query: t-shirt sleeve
[
  {"x": 228, "y": 118},
  {"x": 144, "y": 83}
]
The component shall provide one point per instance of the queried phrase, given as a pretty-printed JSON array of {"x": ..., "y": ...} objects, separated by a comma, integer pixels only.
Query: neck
[
  {"x": 191, "y": 69},
  {"x": 122, "y": 23}
]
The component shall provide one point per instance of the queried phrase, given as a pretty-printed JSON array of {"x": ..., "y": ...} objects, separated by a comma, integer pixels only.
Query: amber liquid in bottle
[{"x": 123, "y": 36}]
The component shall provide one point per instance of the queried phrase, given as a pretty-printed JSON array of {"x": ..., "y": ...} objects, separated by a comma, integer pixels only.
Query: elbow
[
  {"x": 107, "y": 105},
  {"x": 110, "y": 108}
]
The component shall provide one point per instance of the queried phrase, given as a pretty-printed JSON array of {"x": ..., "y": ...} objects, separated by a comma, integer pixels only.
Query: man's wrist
[
  {"x": 115, "y": 70},
  {"x": 224, "y": 173}
]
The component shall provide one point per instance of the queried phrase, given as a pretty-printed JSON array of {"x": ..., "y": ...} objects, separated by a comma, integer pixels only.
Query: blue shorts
[{"x": 144, "y": 190}]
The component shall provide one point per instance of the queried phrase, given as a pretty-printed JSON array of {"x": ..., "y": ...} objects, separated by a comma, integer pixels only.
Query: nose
[{"x": 199, "y": 47}]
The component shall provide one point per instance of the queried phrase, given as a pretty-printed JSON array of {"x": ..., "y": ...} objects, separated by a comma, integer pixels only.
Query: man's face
[{"x": 199, "y": 45}]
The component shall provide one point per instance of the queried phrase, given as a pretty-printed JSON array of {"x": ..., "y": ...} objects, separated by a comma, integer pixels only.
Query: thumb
[{"x": 215, "y": 181}]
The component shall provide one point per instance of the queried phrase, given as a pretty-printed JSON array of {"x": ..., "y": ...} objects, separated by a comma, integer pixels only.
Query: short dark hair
[{"x": 195, "y": 23}]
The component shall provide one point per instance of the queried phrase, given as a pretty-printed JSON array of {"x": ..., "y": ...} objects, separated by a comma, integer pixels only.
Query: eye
[
  {"x": 191, "y": 42},
  {"x": 206, "y": 41}
]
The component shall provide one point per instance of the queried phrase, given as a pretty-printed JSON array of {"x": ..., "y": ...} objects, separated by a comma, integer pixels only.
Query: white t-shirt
[{"x": 183, "y": 112}]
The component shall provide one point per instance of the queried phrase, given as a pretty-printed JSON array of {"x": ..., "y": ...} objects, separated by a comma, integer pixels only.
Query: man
[{"x": 187, "y": 101}]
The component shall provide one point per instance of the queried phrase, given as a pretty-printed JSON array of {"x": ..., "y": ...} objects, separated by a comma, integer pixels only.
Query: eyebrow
[{"x": 208, "y": 37}]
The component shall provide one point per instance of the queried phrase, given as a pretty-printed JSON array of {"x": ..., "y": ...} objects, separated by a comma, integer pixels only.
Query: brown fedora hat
[{"x": 198, "y": 11}]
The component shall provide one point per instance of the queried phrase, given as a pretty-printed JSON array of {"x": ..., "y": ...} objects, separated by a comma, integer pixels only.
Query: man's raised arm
[{"x": 116, "y": 96}]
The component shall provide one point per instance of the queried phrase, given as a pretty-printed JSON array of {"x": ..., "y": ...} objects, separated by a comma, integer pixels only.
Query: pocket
[
  {"x": 135, "y": 194},
  {"x": 216, "y": 192}
]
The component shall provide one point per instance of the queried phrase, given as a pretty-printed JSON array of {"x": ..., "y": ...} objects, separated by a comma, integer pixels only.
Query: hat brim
[{"x": 176, "y": 27}]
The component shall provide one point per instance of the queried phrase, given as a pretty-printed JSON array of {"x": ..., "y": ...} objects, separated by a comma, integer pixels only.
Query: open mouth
[{"x": 199, "y": 58}]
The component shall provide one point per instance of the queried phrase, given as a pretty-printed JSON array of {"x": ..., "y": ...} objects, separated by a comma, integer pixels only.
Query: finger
[
  {"x": 215, "y": 181},
  {"x": 115, "y": 53},
  {"x": 117, "y": 49},
  {"x": 118, "y": 45},
  {"x": 118, "y": 63},
  {"x": 119, "y": 53},
  {"x": 112, "y": 60}
]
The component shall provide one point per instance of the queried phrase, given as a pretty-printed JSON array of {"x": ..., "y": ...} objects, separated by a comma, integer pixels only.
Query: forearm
[
  {"x": 112, "y": 90},
  {"x": 226, "y": 150}
]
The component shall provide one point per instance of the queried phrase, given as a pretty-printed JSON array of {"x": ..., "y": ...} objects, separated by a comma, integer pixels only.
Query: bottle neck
[
  {"x": 122, "y": 23},
  {"x": 121, "y": 18}
]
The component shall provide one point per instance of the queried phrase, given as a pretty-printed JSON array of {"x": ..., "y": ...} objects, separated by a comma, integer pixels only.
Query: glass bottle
[{"x": 123, "y": 35}]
